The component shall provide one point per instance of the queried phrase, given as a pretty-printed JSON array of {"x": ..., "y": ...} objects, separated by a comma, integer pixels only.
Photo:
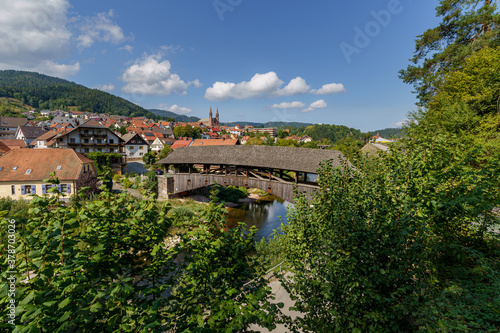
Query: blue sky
[{"x": 332, "y": 62}]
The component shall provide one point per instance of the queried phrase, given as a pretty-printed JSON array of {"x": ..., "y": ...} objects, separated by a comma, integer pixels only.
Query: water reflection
[{"x": 266, "y": 214}]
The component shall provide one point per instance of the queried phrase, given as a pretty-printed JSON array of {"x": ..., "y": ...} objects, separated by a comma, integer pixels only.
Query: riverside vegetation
[{"x": 403, "y": 243}]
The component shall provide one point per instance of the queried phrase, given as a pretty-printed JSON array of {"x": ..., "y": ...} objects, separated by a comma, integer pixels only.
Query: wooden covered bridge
[{"x": 273, "y": 169}]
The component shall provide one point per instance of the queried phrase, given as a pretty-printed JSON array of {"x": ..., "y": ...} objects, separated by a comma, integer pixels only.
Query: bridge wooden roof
[{"x": 284, "y": 158}]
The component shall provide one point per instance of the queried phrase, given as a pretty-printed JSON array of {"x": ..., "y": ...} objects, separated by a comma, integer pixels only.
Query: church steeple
[
  {"x": 210, "y": 114},
  {"x": 217, "y": 116}
]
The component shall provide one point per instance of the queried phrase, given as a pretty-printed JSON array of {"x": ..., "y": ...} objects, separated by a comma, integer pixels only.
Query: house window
[
  {"x": 27, "y": 189},
  {"x": 86, "y": 150},
  {"x": 47, "y": 187},
  {"x": 72, "y": 140},
  {"x": 85, "y": 140},
  {"x": 111, "y": 150},
  {"x": 141, "y": 147},
  {"x": 85, "y": 131},
  {"x": 131, "y": 147},
  {"x": 14, "y": 168},
  {"x": 28, "y": 171},
  {"x": 99, "y": 149},
  {"x": 13, "y": 189},
  {"x": 111, "y": 140},
  {"x": 99, "y": 141},
  {"x": 64, "y": 188}
]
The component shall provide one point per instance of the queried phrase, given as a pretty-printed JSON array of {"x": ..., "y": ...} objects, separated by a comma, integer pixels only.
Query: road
[
  {"x": 136, "y": 167},
  {"x": 280, "y": 295}
]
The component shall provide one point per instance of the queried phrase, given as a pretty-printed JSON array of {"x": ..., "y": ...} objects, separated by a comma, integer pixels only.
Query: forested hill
[
  {"x": 177, "y": 117},
  {"x": 50, "y": 93}
]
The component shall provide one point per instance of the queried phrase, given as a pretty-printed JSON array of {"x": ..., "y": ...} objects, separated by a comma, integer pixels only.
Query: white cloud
[
  {"x": 296, "y": 86},
  {"x": 105, "y": 87},
  {"x": 405, "y": 122},
  {"x": 268, "y": 84},
  {"x": 127, "y": 47},
  {"x": 100, "y": 28},
  {"x": 175, "y": 108},
  {"x": 258, "y": 86},
  {"x": 196, "y": 83},
  {"x": 319, "y": 104},
  {"x": 34, "y": 35},
  {"x": 59, "y": 70},
  {"x": 151, "y": 76},
  {"x": 172, "y": 49},
  {"x": 328, "y": 89},
  {"x": 286, "y": 105}
]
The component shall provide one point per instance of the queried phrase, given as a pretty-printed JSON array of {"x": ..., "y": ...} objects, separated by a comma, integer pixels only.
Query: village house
[
  {"x": 160, "y": 143},
  {"x": 22, "y": 171},
  {"x": 43, "y": 140},
  {"x": 135, "y": 145},
  {"x": 29, "y": 133},
  {"x": 271, "y": 130},
  {"x": 9, "y": 125},
  {"x": 92, "y": 137}
]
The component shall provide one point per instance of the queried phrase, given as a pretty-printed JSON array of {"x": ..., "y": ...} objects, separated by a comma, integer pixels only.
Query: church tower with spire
[{"x": 213, "y": 122}]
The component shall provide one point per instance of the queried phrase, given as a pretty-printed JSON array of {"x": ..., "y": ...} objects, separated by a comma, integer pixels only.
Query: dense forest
[{"x": 50, "y": 93}]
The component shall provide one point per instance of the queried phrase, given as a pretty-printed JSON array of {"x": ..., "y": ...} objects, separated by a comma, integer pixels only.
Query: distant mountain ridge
[
  {"x": 47, "y": 92},
  {"x": 177, "y": 117}
]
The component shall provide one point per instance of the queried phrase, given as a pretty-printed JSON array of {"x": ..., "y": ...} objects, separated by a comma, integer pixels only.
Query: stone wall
[{"x": 165, "y": 186}]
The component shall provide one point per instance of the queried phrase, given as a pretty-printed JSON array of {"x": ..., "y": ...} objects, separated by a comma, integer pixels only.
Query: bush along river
[{"x": 266, "y": 213}]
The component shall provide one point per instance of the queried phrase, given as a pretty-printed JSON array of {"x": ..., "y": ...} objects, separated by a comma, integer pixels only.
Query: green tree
[
  {"x": 167, "y": 149},
  {"x": 101, "y": 265},
  {"x": 287, "y": 143},
  {"x": 476, "y": 84},
  {"x": 122, "y": 130},
  {"x": 373, "y": 248},
  {"x": 255, "y": 141},
  {"x": 221, "y": 288},
  {"x": 467, "y": 26},
  {"x": 187, "y": 131},
  {"x": 149, "y": 158}
]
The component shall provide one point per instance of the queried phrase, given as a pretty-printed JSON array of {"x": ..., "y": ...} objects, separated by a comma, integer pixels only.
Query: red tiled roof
[
  {"x": 181, "y": 143},
  {"x": 3, "y": 148},
  {"x": 41, "y": 162},
  {"x": 214, "y": 142},
  {"x": 46, "y": 136},
  {"x": 14, "y": 143}
]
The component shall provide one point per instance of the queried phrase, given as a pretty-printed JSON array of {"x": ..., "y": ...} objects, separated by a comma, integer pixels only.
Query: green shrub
[
  {"x": 5, "y": 203},
  {"x": 230, "y": 193},
  {"x": 126, "y": 183},
  {"x": 182, "y": 216},
  {"x": 137, "y": 182},
  {"x": 151, "y": 182},
  {"x": 117, "y": 177}
]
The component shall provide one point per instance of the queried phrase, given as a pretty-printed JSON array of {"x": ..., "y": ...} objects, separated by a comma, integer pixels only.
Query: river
[{"x": 266, "y": 214}]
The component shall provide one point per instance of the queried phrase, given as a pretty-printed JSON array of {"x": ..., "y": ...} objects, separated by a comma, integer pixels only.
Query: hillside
[
  {"x": 177, "y": 117},
  {"x": 389, "y": 133},
  {"x": 50, "y": 93}
]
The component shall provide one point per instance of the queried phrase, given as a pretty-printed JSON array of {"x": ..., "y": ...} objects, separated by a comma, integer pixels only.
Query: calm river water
[{"x": 266, "y": 215}]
